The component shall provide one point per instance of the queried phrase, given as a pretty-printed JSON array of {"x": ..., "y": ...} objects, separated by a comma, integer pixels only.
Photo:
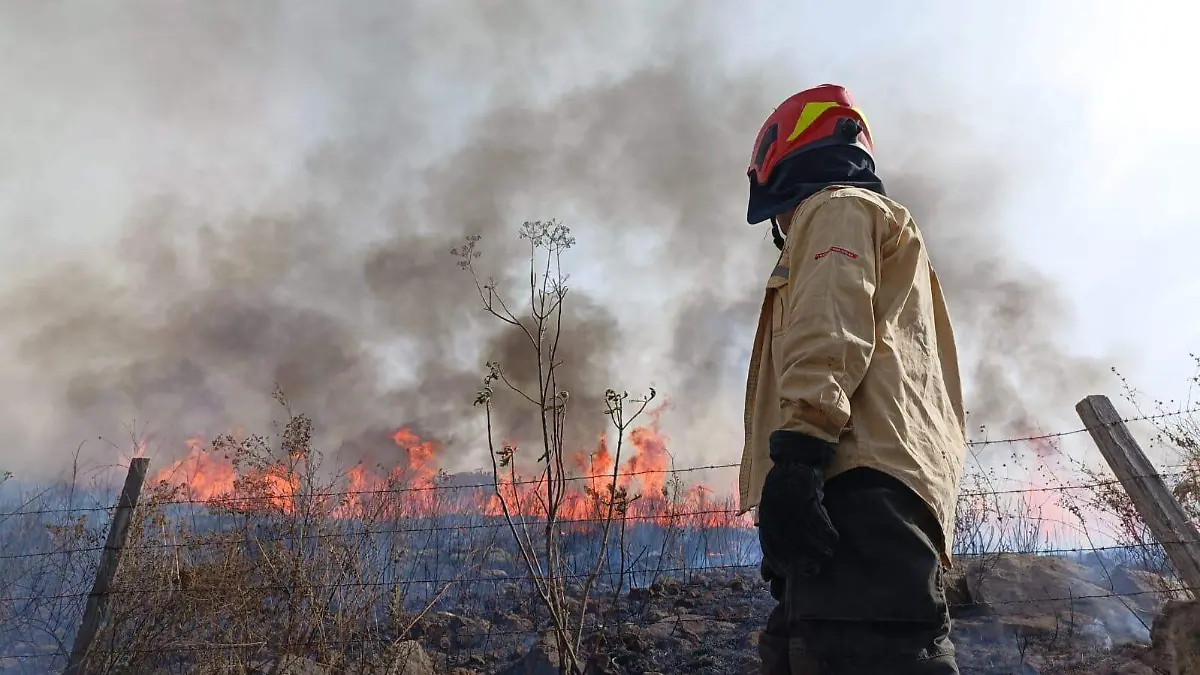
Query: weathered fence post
[
  {"x": 1154, "y": 502},
  {"x": 93, "y": 612}
]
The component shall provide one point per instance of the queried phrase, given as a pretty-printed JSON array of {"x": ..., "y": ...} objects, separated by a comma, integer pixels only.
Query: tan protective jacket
[{"x": 854, "y": 346}]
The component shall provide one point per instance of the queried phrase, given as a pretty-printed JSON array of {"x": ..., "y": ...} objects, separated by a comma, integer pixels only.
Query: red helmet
[{"x": 814, "y": 118}]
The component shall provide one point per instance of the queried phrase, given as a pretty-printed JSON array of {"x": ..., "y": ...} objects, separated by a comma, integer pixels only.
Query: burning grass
[{"x": 232, "y": 477}]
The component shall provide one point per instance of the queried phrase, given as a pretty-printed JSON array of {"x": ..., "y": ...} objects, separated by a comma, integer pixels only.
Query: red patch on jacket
[{"x": 836, "y": 249}]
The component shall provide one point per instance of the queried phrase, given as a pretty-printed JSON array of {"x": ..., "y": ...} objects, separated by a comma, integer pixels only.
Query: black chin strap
[{"x": 776, "y": 233}]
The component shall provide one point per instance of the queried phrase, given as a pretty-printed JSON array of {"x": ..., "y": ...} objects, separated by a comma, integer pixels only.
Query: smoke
[
  {"x": 231, "y": 200},
  {"x": 1010, "y": 318}
]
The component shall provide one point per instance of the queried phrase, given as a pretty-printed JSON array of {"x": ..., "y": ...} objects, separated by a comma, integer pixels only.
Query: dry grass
[{"x": 259, "y": 576}]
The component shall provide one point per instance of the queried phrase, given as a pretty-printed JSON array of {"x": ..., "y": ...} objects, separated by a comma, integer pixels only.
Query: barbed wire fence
[{"x": 238, "y": 576}]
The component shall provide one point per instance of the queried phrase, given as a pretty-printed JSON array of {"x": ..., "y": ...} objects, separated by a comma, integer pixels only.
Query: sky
[{"x": 203, "y": 200}]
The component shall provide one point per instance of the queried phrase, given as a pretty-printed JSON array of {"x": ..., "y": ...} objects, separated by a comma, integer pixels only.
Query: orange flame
[
  {"x": 641, "y": 487},
  {"x": 409, "y": 489},
  {"x": 405, "y": 490},
  {"x": 218, "y": 483}
]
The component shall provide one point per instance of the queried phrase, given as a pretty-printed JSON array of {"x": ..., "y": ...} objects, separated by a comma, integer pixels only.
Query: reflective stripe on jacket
[{"x": 854, "y": 346}]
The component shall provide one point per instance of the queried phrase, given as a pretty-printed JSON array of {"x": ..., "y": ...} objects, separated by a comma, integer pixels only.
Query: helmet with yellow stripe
[{"x": 815, "y": 118}]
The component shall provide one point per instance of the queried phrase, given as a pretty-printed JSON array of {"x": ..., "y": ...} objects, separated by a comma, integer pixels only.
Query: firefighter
[{"x": 855, "y": 430}]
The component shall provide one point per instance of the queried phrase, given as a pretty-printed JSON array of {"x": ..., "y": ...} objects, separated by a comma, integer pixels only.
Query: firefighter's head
[{"x": 812, "y": 138}]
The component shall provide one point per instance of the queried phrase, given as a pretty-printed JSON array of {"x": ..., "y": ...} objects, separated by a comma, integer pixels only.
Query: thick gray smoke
[{"x": 289, "y": 180}]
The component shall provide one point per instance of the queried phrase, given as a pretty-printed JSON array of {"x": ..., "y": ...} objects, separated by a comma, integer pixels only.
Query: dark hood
[{"x": 798, "y": 177}]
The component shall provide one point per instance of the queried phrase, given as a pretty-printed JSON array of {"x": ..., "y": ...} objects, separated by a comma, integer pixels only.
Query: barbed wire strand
[
  {"x": 228, "y": 499},
  {"x": 962, "y": 554},
  {"x": 715, "y": 518},
  {"x": 569, "y": 576}
]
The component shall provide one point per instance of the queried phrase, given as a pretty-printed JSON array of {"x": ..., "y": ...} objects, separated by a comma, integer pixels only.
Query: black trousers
[{"x": 879, "y": 606}]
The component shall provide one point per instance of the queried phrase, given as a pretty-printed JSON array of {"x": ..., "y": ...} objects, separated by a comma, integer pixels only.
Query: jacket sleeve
[{"x": 827, "y": 342}]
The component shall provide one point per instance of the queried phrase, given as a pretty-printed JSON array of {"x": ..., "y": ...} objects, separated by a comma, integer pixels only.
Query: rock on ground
[
  {"x": 541, "y": 657},
  {"x": 1176, "y": 638},
  {"x": 302, "y": 666},
  {"x": 1049, "y": 596},
  {"x": 404, "y": 658}
]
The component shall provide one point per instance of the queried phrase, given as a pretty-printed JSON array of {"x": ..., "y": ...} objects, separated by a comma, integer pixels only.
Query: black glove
[{"x": 794, "y": 530}]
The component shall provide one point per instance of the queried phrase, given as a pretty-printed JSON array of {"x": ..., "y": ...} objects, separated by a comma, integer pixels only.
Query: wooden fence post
[
  {"x": 93, "y": 612},
  {"x": 1154, "y": 502}
]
